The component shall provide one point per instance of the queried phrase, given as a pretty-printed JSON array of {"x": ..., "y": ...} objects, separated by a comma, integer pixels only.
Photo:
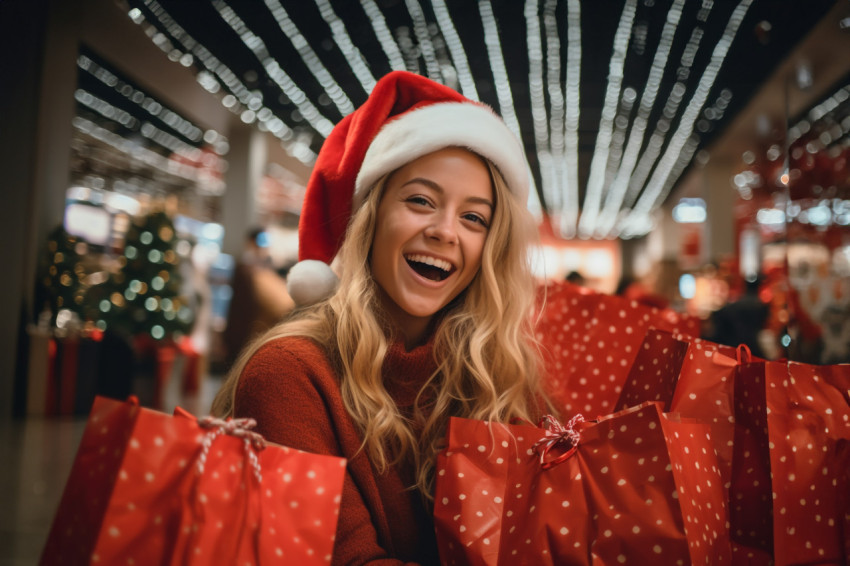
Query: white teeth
[{"x": 442, "y": 264}]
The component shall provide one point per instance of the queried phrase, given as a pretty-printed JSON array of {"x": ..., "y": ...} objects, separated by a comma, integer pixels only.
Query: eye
[
  {"x": 419, "y": 200},
  {"x": 477, "y": 218}
]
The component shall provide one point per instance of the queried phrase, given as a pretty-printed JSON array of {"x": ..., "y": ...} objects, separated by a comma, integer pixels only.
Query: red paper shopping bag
[
  {"x": 692, "y": 377},
  {"x": 638, "y": 488},
  {"x": 655, "y": 370},
  {"x": 590, "y": 341},
  {"x": 705, "y": 391},
  {"x": 790, "y": 490},
  {"x": 149, "y": 488}
]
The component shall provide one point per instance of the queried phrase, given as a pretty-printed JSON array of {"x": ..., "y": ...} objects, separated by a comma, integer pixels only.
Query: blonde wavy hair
[{"x": 488, "y": 362}]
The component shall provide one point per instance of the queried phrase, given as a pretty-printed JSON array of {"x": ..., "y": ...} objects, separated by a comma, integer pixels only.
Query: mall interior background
[
  {"x": 732, "y": 211},
  {"x": 101, "y": 306}
]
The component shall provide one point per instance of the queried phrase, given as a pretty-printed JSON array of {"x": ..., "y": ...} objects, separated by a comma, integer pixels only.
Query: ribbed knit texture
[{"x": 292, "y": 390}]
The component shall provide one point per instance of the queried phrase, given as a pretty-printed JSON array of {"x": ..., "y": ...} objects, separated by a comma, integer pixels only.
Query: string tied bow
[{"x": 566, "y": 436}]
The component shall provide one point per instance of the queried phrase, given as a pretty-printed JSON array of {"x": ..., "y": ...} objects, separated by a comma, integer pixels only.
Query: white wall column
[
  {"x": 246, "y": 165},
  {"x": 720, "y": 197}
]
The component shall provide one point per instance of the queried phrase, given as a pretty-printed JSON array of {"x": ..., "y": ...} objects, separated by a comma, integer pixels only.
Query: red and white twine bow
[
  {"x": 240, "y": 428},
  {"x": 557, "y": 435}
]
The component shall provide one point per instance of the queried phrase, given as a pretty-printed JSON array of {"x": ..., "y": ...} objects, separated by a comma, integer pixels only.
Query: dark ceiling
[{"x": 295, "y": 67}]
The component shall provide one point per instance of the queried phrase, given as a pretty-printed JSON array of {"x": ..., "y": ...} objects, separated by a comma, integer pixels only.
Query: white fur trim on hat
[
  {"x": 310, "y": 281},
  {"x": 437, "y": 126}
]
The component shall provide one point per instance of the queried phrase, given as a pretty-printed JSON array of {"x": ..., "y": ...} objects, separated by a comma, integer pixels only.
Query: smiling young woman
[
  {"x": 432, "y": 223},
  {"x": 418, "y": 198}
]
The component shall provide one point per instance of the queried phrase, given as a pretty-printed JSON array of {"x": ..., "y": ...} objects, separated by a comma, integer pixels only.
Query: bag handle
[
  {"x": 742, "y": 353},
  {"x": 247, "y": 509},
  {"x": 240, "y": 428},
  {"x": 557, "y": 434}
]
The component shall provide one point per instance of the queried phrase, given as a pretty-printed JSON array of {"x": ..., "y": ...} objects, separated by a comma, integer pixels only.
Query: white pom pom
[{"x": 310, "y": 281}]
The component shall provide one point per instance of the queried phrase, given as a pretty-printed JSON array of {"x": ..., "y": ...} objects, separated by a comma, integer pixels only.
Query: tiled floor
[{"x": 37, "y": 458}]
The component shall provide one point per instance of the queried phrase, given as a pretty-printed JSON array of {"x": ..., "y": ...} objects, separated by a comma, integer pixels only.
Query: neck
[{"x": 413, "y": 330}]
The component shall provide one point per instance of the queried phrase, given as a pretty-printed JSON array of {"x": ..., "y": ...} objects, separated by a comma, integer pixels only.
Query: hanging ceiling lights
[{"x": 611, "y": 100}]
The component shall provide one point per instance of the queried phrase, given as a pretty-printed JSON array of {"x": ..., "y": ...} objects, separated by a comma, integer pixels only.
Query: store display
[
  {"x": 63, "y": 372},
  {"x": 137, "y": 293}
]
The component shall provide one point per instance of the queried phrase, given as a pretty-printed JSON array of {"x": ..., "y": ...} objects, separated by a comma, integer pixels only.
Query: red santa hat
[{"x": 406, "y": 117}]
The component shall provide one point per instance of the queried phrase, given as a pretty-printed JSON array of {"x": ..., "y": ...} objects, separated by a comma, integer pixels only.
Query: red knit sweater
[{"x": 292, "y": 390}]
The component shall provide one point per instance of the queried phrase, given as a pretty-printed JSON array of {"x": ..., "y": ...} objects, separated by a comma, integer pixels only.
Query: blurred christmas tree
[
  {"x": 62, "y": 274},
  {"x": 144, "y": 295}
]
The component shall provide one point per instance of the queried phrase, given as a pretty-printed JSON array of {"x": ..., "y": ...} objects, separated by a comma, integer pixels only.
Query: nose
[{"x": 443, "y": 229}]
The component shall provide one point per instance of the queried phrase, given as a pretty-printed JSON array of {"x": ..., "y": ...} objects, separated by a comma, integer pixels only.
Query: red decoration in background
[
  {"x": 165, "y": 354},
  {"x": 51, "y": 401},
  {"x": 690, "y": 251},
  {"x": 192, "y": 369}
]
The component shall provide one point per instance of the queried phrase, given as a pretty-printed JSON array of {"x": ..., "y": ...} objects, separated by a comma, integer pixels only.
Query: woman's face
[{"x": 431, "y": 226}]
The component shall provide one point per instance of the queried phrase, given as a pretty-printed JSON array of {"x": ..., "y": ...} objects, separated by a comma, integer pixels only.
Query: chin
[
  {"x": 423, "y": 311},
  {"x": 422, "y": 308}
]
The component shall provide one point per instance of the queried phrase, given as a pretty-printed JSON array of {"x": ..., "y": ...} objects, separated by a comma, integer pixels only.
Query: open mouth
[{"x": 430, "y": 267}]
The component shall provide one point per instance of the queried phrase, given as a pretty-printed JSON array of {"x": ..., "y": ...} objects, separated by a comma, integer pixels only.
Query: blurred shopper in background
[
  {"x": 259, "y": 299},
  {"x": 576, "y": 278},
  {"x": 641, "y": 292},
  {"x": 742, "y": 321}
]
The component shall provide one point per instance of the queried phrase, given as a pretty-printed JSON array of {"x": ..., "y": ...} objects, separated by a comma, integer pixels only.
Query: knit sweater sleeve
[{"x": 289, "y": 387}]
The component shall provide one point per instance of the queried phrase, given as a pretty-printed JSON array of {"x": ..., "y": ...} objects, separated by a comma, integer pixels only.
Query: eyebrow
[{"x": 437, "y": 187}]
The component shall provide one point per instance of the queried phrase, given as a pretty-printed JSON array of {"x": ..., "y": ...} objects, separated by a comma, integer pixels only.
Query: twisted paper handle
[
  {"x": 240, "y": 428},
  {"x": 742, "y": 353},
  {"x": 557, "y": 435}
]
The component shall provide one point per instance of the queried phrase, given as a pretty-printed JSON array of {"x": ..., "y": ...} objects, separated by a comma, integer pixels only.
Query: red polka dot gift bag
[
  {"x": 589, "y": 342},
  {"x": 636, "y": 487},
  {"x": 691, "y": 377},
  {"x": 705, "y": 391},
  {"x": 790, "y": 488},
  {"x": 150, "y": 488},
  {"x": 655, "y": 371}
]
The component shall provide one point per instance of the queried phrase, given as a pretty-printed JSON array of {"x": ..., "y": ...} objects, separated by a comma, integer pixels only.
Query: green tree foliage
[
  {"x": 144, "y": 296},
  {"x": 62, "y": 275}
]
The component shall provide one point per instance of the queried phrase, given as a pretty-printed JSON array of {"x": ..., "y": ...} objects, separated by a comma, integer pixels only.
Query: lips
[{"x": 432, "y": 268}]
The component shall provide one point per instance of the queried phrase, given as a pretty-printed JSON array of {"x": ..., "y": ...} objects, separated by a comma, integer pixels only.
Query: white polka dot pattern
[
  {"x": 640, "y": 489},
  {"x": 143, "y": 501},
  {"x": 697, "y": 384},
  {"x": 705, "y": 391},
  {"x": 750, "y": 504},
  {"x": 790, "y": 491},
  {"x": 655, "y": 370},
  {"x": 590, "y": 341}
]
